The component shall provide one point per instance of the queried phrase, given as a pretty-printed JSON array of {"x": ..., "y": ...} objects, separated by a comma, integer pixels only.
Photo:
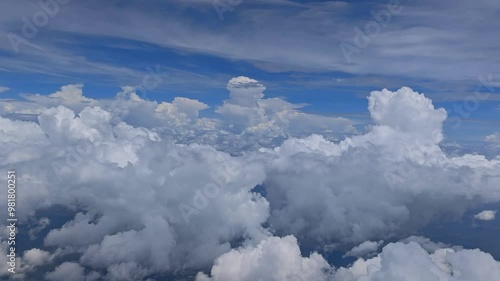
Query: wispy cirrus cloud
[{"x": 423, "y": 34}]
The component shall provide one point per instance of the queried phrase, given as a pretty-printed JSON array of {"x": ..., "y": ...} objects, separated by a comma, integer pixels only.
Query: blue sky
[{"x": 292, "y": 47}]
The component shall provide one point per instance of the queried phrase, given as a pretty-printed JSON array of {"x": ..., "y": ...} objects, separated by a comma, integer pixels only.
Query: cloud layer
[
  {"x": 157, "y": 189},
  {"x": 279, "y": 259}
]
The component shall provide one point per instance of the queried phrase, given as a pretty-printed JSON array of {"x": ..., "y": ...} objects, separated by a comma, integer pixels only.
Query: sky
[{"x": 216, "y": 140}]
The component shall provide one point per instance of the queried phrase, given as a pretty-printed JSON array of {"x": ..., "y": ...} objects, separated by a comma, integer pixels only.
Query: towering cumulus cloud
[
  {"x": 268, "y": 121},
  {"x": 386, "y": 182},
  {"x": 156, "y": 191}
]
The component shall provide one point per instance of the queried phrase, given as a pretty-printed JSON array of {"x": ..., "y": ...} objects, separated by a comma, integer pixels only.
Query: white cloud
[
  {"x": 249, "y": 112},
  {"x": 190, "y": 108},
  {"x": 278, "y": 259},
  {"x": 364, "y": 249},
  {"x": 70, "y": 271},
  {"x": 69, "y": 95},
  {"x": 36, "y": 257},
  {"x": 4, "y": 89},
  {"x": 137, "y": 171},
  {"x": 391, "y": 180},
  {"x": 131, "y": 184},
  {"x": 274, "y": 259},
  {"x": 486, "y": 215},
  {"x": 407, "y": 111},
  {"x": 132, "y": 247},
  {"x": 493, "y": 140},
  {"x": 247, "y": 120},
  {"x": 406, "y": 262}
]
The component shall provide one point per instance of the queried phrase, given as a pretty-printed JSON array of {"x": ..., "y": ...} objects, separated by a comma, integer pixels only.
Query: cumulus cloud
[
  {"x": 69, "y": 95},
  {"x": 408, "y": 112},
  {"x": 70, "y": 271},
  {"x": 130, "y": 187},
  {"x": 405, "y": 262},
  {"x": 279, "y": 259},
  {"x": 365, "y": 248},
  {"x": 274, "y": 259},
  {"x": 36, "y": 257},
  {"x": 486, "y": 215},
  {"x": 493, "y": 140},
  {"x": 22, "y": 139},
  {"x": 155, "y": 188},
  {"x": 391, "y": 180},
  {"x": 246, "y": 121},
  {"x": 251, "y": 113}
]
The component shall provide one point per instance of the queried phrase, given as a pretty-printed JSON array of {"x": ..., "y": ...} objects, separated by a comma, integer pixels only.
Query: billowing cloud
[
  {"x": 408, "y": 112},
  {"x": 250, "y": 112},
  {"x": 156, "y": 188},
  {"x": 273, "y": 259},
  {"x": 405, "y": 262},
  {"x": 129, "y": 187},
  {"x": 279, "y": 260},
  {"x": 70, "y": 271},
  {"x": 246, "y": 121},
  {"x": 36, "y": 257},
  {"x": 393, "y": 179}
]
